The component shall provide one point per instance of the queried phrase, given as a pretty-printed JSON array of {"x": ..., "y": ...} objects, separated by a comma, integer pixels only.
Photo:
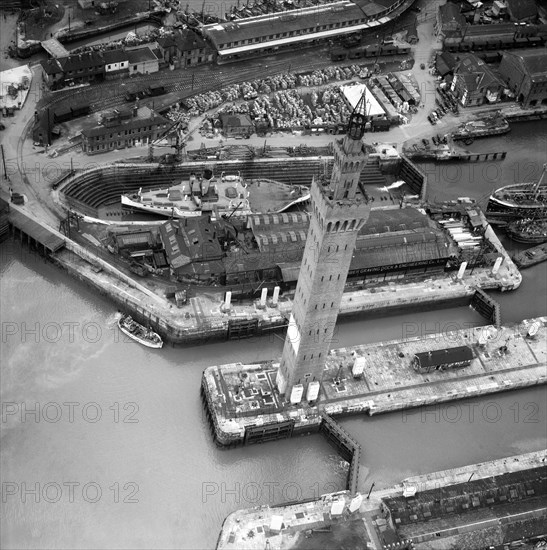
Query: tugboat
[
  {"x": 517, "y": 201},
  {"x": 529, "y": 231},
  {"x": 139, "y": 333}
]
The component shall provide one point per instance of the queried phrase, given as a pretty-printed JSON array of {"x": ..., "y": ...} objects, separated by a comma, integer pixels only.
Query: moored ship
[
  {"x": 139, "y": 333},
  {"x": 528, "y": 231},
  {"x": 517, "y": 201},
  {"x": 490, "y": 125},
  {"x": 531, "y": 257},
  {"x": 227, "y": 194}
]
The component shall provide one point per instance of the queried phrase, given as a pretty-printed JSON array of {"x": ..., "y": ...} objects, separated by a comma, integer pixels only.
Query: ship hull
[
  {"x": 174, "y": 212},
  {"x": 155, "y": 344},
  {"x": 502, "y": 209}
]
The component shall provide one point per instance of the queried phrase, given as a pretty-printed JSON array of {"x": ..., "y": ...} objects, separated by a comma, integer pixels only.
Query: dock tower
[{"x": 338, "y": 211}]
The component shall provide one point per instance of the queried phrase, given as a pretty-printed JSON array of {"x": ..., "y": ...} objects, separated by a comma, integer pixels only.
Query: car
[{"x": 422, "y": 66}]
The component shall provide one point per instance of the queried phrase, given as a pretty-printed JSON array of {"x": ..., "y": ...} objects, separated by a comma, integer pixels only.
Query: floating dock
[
  {"x": 333, "y": 519},
  {"x": 243, "y": 404}
]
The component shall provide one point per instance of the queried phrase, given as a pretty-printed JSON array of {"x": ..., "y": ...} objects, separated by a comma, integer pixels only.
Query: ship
[
  {"x": 225, "y": 195},
  {"x": 531, "y": 257},
  {"x": 528, "y": 230},
  {"x": 490, "y": 125},
  {"x": 434, "y": 154},
  {"x": 139, "y": 333},
  {"x": 518, "y": 201}
]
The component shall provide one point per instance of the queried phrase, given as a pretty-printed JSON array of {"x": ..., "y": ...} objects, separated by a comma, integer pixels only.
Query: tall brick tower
[{"x": 337, "y": 214}]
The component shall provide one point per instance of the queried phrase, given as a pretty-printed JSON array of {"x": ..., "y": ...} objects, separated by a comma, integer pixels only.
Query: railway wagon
[{"x": 372, "y": 50}]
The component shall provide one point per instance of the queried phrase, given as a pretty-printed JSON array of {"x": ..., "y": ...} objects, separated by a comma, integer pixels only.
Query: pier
[
  {"x": 203, "y": 319},
  {"x": 481, "y": 489},
  {"x": 240, "y": 397}
]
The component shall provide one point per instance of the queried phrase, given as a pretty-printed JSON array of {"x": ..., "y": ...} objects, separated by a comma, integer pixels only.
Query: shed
[{"x": 428, "y": 361}]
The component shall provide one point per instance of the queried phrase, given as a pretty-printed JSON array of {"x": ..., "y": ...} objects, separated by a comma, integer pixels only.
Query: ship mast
[{"x": 535, "y": 188}]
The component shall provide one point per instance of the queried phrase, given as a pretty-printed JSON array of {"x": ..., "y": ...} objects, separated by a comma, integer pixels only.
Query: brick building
[
  {"x": 116, "y": 63},
  {"x": 77, "y": 69},
  {"x": 522, "y": 11},
  {"x": 450, "y": 22},
  {"x": 525, "y": 73},
  {"x": 143, "y": 60},
  {"x": 272, "y": 32},
  {"x": 122, "y": 129},
  {"x": 338, "y": 212},
  {"x": 474, "y": 83},
  {"x": 185, "y": 48},
  {"x": 237, "y": 125}
]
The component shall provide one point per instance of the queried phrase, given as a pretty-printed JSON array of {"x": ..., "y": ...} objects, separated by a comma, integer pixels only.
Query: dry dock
[
  {"x": 203, "y": 317},
  {"x": 312, "y": 524},
  {"x": 244, "y": 406}
]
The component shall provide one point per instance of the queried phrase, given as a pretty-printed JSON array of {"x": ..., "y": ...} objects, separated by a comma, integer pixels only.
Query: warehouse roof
[
  {"x": 305, "y": 22},
  {"x": 532, "y": 61},
  {"x": 446, "y": 356},
  {"x": 464, "y": 497}
]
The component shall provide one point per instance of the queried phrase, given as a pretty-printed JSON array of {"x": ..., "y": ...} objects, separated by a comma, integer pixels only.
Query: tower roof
[{"x": 358, "y": 119}]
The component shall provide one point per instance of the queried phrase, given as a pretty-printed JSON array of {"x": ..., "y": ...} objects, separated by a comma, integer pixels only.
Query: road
[{"x": 30, "y": 169}]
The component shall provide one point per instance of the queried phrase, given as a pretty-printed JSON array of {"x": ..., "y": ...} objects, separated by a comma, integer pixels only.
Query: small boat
[{"x": 139, "y": 333}]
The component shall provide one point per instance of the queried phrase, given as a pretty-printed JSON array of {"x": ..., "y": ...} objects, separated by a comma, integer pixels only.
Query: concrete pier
[
  {"x": 240, "y": 397},
  {"x": 312, "y": 524},
  {"x": 203, "y": 319}
]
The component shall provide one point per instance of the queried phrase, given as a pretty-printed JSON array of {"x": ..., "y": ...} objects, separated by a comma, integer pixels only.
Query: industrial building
[
  {"x": 393, "y": 244},
  {"x": 120, "y": 129},
  {"x": 270, "y": 33},
  {"x": 525, "y": 73},
  {"x": 442, "y": 359},
  {"x": 483, "y": 513},
  {"x": 474, "y": 83}
]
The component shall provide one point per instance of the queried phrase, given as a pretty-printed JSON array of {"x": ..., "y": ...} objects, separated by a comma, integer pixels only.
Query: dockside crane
[{"x": 175, "y": 129}]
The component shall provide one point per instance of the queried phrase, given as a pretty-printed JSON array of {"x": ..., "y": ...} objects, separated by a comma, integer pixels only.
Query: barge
[
  {"x": 532, "y": 256},
  {"x": 486, "y": 126}
]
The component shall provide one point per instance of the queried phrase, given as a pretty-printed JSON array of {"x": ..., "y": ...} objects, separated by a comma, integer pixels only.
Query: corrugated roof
[
  {"x": 445, "y": 356},
  {"x": 464, "y": 497},
  {"x": 307, "y": 20}
]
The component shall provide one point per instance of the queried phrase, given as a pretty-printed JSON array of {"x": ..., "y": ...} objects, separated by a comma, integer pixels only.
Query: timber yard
[{"x": 275, "y": 169}]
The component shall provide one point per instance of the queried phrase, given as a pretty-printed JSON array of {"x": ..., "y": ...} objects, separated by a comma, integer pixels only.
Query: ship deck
[{"x": 270, "y": 196}]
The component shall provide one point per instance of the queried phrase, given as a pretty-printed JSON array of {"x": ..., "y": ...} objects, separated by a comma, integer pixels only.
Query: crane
[{"x": 180, "y": 143}]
